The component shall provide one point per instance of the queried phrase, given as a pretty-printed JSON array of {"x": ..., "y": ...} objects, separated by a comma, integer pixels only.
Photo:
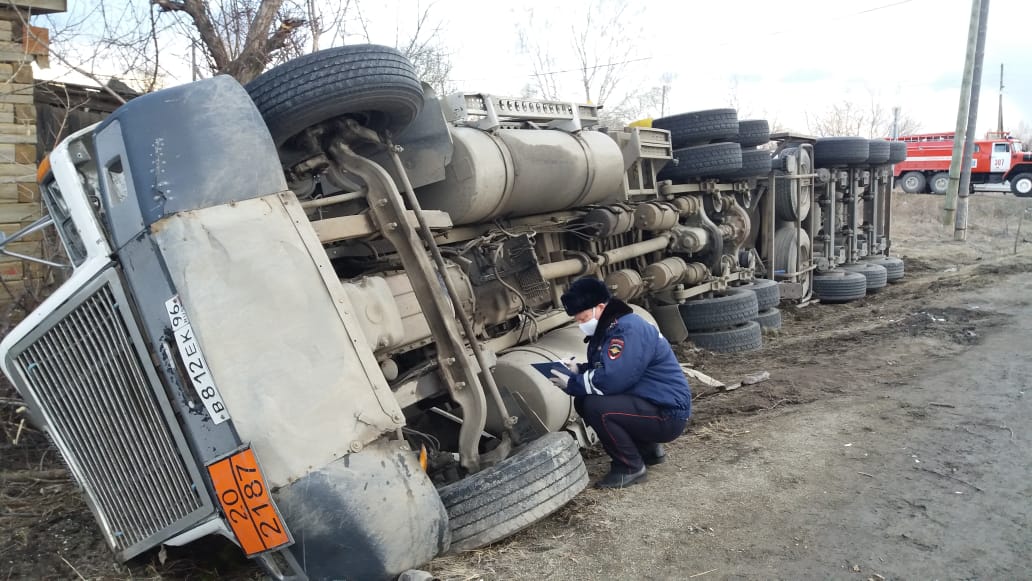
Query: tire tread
[
  {"x": 699, "y": 127},
  {"x": 736, "y": 307},
  {"x": 746, "y": 337}
]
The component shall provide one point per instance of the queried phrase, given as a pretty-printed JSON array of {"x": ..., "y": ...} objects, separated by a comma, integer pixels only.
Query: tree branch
[
  {"x": 198, "y": 11},
  {"x": 279, "y": 38},
  {"x": 68, "y": 64}
]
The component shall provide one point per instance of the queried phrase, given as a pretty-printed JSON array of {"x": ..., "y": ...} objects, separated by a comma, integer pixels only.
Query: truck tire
[
  {"x": 897, "y": 151},
  {"x": 769, "y": 320},
  {"x": 768, "y": 293},
  {"x": 879, "y": 153},
  {"x": 939, "y": 183},
  {"x": 699, "y": 127},
  {"x": 1021, "y": 185},
  {"x": 374, "y": 84},
  {"x": 735, "y": 307},
  {"x": 839, "y": 286},
  {"x": 789, "y": 251},
  {"x": 703, "y": 161},
  {"x": 894, "y": 267},
  {"x": 839, "y": 151},
  {"x": 753, "y": 132},
  {"x": 912, "y": 182},
  {"x": 755, "y": 164},
  {"x": 789, "y": 206},
  {"x": 745, "y": 337},
  {"x": 496, "y": 502},
  {"x": 876, "y": 274}
]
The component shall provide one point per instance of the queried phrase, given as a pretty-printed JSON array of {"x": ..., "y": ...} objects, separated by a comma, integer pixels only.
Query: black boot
[
  {"x": 652, "y": 454},
  {"x": 617, "y": 479}
]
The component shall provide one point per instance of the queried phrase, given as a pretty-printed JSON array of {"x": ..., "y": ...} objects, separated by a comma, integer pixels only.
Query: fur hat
[{"x": 584, "y": 294}]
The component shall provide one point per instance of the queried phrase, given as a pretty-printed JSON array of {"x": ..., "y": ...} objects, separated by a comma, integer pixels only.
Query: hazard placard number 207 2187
[{"x": 244, "y": 497}]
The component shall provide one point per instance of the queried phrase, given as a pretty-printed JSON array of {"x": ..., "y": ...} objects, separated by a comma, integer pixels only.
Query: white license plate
[{"x": 193, "y": 359}]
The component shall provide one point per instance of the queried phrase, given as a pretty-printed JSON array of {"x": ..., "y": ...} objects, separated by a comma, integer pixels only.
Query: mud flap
[
  {"x": 369, "y": 515},
  {"x": 670, "y": 323}
]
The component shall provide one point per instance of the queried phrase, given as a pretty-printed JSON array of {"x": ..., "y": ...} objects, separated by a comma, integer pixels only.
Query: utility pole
[
  {"x": 960, "y": 227},
  {"x": 950, "y": 208},
  {"x": 999, "y": 122},
  {"x": 895, "y": 123}
]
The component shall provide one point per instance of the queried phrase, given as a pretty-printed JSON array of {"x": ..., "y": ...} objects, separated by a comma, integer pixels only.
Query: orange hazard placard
[{"x": 244, "y": 497}]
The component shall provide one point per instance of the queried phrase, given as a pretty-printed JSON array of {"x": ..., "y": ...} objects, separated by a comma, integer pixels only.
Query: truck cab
[{"x": 996, "y": 159}]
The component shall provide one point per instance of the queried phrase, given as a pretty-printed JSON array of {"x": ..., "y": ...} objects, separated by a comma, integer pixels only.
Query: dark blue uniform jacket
[{"x": 626, "y": 355}]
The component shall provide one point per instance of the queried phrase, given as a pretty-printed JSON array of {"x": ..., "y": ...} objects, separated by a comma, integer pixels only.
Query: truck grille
[{"x": 84, "y": 373}]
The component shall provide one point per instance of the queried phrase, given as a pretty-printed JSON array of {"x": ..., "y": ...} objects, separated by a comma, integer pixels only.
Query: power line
[
  {"x": 884, "y": 7},
  {"x": 834, "y": 19}
]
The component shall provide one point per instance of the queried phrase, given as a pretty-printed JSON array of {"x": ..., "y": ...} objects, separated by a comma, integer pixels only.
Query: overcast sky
[
  {"x": 787, "y": 58},
  {"x": 780, "y": 60}
]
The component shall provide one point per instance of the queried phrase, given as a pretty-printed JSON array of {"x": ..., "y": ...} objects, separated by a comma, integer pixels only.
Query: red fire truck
[{"x": 997, "y": 159}]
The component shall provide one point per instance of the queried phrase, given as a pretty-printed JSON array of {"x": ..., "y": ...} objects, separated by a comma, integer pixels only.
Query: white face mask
[{"x": 589, "y": 327}]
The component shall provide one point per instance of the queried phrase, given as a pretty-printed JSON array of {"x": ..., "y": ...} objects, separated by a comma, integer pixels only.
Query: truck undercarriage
[{"x": 340, "y": 276}]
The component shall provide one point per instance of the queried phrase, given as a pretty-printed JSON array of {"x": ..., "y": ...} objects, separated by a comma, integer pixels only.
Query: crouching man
[{"x": 632, "y": 390}]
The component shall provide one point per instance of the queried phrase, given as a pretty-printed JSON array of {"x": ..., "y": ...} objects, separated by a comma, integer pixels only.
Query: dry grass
[{"x": 993, "y": 227}]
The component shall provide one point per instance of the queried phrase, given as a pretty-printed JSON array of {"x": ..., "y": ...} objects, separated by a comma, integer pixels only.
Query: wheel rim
[
  {"x": 805, "y": 258},
  {"x": 1023, "y": 186},
  {"x": 910, "y": 183}
]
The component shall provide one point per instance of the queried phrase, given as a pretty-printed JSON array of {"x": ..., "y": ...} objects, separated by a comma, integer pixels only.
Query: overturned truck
[{"x": 301, "y": 314}]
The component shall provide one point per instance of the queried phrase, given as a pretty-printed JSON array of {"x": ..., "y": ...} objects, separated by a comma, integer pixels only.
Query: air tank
[{"x": 520, "y": 172}]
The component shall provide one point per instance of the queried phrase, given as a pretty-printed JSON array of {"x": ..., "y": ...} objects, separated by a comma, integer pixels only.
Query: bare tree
[
  {"x": 851, "y": 118},
  {"x": 240, "y": 37},
  {"x": 546, "y": 74},
  {"x": 605, "y": 46},
  {"x": 424, "y": 49},
  {"x": 136, "y": 42},
  {"x": 907, "y": 126},
  {"x": 1023, "y": 133},
  {"x": 152, "y": 43}
]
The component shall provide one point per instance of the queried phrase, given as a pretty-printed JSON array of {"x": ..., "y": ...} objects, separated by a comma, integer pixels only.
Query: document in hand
[{"x": 546, "y": 368}]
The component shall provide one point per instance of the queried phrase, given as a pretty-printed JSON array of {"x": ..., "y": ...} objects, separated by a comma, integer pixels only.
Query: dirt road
[
  {"x": 891, "y": 439},
  {"x": 916, "y": 468}
]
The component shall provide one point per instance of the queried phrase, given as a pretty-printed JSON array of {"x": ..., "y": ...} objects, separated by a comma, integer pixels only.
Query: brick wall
[{"x": 19, "y": 194}]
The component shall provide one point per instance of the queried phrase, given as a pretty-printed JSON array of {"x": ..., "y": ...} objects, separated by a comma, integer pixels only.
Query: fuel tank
[{"x": 519, "y": 172}]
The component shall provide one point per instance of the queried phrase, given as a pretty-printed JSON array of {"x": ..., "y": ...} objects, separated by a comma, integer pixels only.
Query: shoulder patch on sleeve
[{"x": 615, "y": 348}]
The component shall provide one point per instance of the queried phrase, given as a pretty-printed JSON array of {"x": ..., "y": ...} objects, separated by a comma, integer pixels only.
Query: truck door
[{"x": 1001, "y": 158}]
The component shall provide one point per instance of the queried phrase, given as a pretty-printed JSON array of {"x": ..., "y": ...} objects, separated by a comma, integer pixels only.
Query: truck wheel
[
  {"x": 768, "y": 293},
  {"x": 912, "y": 182},
  {"x": 1021, "y": 185},
  {"x": 789, "y": 252},
  {"x": 769, "y": 320},
  {"x": 494, "y": 503},
  {"x": 839, "y": 286},
  {"x": 753, "y": 132},
  {"x": 939, "y": 183},
  {"x": 745, "y": 337},
  {"x": 789, "y": 205},
  {"x": 879, "y": 153},
  {"x": 703, "y": 161},
  {"x": 735, "y": 307},
  {"x": 839, "y": 151},
  {"x": 876, "y": 274},
  {"x": 894, "y": 267},
  {"x": 374, "y": 84},
  {"x": 755, "y": 163},
  {"x": 897, "y": 151},
  {"x": 699, "y": 127}
]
